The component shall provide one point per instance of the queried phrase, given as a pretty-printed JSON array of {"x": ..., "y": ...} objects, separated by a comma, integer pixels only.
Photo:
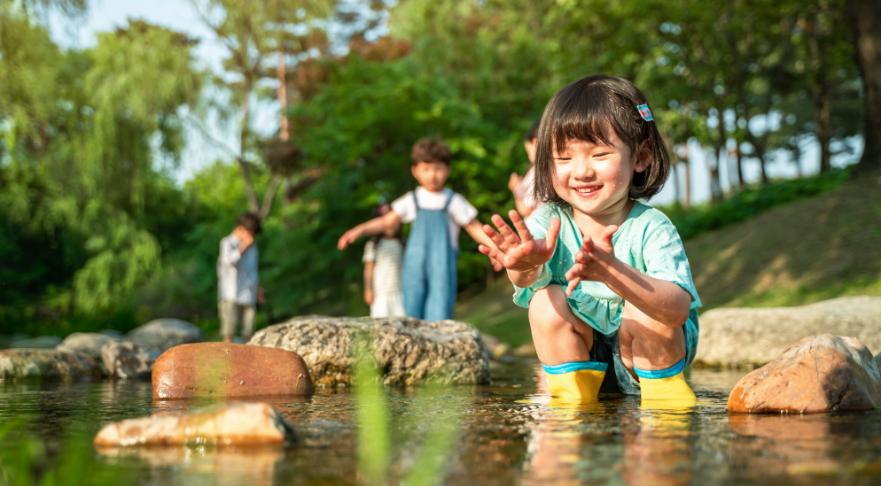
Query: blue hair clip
[{"x": 645, "y": 112}]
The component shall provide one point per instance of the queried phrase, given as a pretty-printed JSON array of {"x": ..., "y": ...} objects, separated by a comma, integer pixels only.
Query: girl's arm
[
  {"x": 663, "y": 301},
  {"x": 368, "y": 282},
  {"x": 375, "y": 226}
]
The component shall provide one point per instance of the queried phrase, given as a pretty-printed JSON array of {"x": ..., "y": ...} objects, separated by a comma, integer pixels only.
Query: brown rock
[
  {"x": 231, "y": 370},
  {"x": 409, "y": 351},
  {"x": 820, "y": 373},
  {"x": 224, "y": 425},
  {"x": 49, "y": 364}
]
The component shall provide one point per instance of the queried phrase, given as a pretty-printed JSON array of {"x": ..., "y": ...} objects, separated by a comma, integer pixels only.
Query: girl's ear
[{"x": 643, "y": 157}]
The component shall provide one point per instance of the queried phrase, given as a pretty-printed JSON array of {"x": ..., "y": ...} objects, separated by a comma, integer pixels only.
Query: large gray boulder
[
  {"x": 89, "y": 343},
  {"x": 128, "y": 361},
  {"x": 163, "y": 334},
  {"x": 408, "y": 350},
  {"x": 48, "y": 364},
  {"x": 741, "y": 336}
]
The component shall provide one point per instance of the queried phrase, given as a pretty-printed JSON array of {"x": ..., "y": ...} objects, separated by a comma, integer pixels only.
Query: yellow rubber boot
[
  {"x": 668, "y": 385},
  {"x": 578, "y": 381}
]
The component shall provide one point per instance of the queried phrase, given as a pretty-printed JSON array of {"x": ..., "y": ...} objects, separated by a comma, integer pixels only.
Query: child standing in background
[
  {"x": 524, "y": 187},
  {"x": 383, "y": 258},
  {"x": 429, "y": 273},
  {"x": 610, "y": 295}
]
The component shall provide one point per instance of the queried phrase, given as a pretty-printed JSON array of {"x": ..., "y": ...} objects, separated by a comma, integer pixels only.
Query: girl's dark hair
[
  {"x": 585, "y": 110},
  {"x": 381, "y": 210}
]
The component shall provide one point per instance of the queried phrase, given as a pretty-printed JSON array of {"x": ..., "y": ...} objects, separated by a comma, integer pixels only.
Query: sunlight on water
[{"x": 512, "y": 433}]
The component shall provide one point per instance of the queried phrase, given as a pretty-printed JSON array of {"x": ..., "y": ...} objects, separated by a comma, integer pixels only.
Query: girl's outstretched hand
[
  {"x": 593, "y": 260},
  {"x": 519, "y": 251}
]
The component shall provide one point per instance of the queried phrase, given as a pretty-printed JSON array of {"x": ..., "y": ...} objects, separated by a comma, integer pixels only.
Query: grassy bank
[{"x": 803, "y": 251}]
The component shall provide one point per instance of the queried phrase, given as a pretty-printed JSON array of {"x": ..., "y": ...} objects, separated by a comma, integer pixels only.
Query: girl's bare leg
[
  {"x": 559, "y": 335},
  {"x": 648, "y": 344}
]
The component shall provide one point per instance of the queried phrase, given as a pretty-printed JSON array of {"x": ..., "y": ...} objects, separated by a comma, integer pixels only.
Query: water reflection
[
  {"x": 224, "y": 466},
  {"x": 511, "y": 434}
]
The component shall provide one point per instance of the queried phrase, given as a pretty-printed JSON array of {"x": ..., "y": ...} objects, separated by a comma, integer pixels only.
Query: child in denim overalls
[{"x": 429, "y": 275}]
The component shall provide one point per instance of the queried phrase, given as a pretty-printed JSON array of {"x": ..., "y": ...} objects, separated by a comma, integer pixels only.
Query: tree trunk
[
  {"x": 281, "y": 75},
  {"x": 823, "y": 130},
  {"x": 253, "y": 204},
  {"x": 819, "y": 89},
  {"x": 715, "y": 184},
  {"x": 739, "y": 156},
  {"x": 687, "y": 177},
  {"x": 674, "y": 174},
  {"x": 864, "y": 17}
]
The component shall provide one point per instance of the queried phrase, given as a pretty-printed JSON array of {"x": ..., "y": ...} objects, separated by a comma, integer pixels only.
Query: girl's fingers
[
  {"x": 506, "y": 231},
  {"x": 573, "y": 284},
  {"x": 520, "y": 225},
  {"x": 498, "y": 239},
  {"x": 553, "y": 233},
  {"x": 587, "y": 246}
]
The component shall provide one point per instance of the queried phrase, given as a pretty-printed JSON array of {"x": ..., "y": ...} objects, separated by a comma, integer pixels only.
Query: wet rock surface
[
  {"x": 223, "y": 425},
  {"x": 820, "y": 373},
  {"x": 229, "y": 370},
  {"x": 408, "y": 350},
  {"x": 89, "y": 343},
  {"x": 164, "y": 334},
  {"x": 49, "y": 364},
  {"x": 738, "y": 336},
  {"x": 128, "y": 361}
]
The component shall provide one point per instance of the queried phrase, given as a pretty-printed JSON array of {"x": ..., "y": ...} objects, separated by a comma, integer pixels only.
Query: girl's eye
[{"x": 602, "y": 154}]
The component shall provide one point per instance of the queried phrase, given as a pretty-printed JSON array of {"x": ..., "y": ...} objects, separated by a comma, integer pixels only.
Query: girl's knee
[{"x": 549, "y": 312}]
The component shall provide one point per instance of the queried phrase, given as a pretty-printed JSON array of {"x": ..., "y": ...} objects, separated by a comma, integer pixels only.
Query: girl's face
[{"x": 595, "y": 179}]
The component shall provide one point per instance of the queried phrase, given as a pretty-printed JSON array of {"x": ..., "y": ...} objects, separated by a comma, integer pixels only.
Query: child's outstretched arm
[
  {"x": 375, "y": 226},
  {"x": 519, "y": 252},
  {"x": 475, "y": 230},
  {"x": 663, "y": 301}
]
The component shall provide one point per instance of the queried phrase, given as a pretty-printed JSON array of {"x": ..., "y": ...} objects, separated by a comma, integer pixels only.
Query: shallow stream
[{"x": 508, "y": 434}]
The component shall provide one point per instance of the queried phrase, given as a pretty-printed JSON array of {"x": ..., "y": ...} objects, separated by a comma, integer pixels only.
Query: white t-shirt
[
  {"x": 460, "y": 212},
  {"x": 237, "y": 272}
]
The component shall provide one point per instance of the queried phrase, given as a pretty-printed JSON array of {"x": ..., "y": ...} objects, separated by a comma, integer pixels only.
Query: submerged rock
[
  {"x": 164, "y": 334},
  {"x": 127, "y": 360},
  {"x": 736, "y": 337},
  {"x": 820, "y": 373},
  {"x": 408, "y": 350},
  {"x": 89, "y": 343},
  {"x": 50, "y": 364},
  {"x": 230, "y": 370},
  {"x": 224, "y": 425}
]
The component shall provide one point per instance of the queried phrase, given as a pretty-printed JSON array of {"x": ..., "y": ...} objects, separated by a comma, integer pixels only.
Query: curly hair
[{"x": 431, "y": 149}]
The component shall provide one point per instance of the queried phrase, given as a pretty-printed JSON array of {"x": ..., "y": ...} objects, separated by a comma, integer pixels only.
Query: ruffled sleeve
[{"x": 664, "y": 256}]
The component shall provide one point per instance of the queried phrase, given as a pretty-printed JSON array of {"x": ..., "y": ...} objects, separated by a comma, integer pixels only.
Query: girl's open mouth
[{"x": 587, "y": 191}]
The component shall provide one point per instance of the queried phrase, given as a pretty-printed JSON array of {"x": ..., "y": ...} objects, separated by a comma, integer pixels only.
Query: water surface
[{"x": 509, "y": 434}]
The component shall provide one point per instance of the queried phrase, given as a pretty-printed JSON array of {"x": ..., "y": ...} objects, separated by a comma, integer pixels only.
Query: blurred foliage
[
  {"x": 750, "y": 201},
  {"x": 94, "y": 233},
  {"x": 27, "y": 460}
]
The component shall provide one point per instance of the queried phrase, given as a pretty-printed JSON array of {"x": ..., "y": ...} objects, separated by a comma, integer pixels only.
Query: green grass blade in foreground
[
  {"x": 445, "y": 414},
  {"x": 371, "y": 413}
]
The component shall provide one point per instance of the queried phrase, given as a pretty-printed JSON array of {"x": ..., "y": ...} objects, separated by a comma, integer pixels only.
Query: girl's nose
[{"x": 583, "y": 170}]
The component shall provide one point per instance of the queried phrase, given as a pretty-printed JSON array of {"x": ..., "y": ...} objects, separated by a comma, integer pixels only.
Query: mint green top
[{"x": 647, "y": 241}]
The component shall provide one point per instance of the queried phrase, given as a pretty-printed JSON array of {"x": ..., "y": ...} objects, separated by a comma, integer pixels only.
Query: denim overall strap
[{"x": 428, "y": 279}]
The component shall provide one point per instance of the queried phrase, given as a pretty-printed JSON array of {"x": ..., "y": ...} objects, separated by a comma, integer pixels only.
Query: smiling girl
[{"x": 612, "y": 305}]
